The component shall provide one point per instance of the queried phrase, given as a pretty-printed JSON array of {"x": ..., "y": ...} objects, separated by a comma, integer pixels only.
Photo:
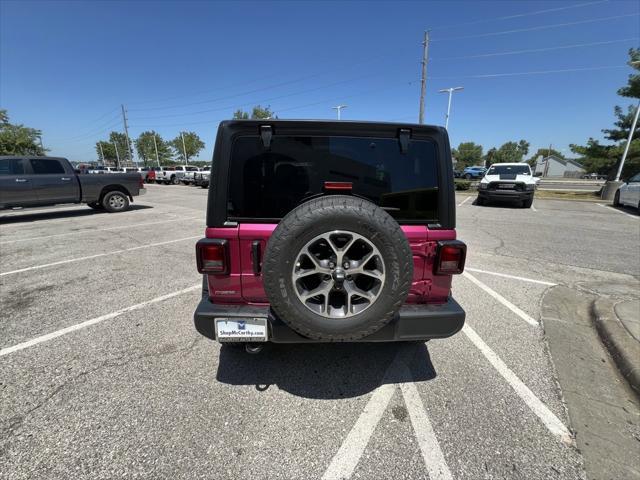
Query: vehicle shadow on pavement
[
  {"x": 627, "y": 210},
  {"x": 54, "y": 214},
  {"x": 322, "y": 371},
  {"x": 498, "y": 204}
]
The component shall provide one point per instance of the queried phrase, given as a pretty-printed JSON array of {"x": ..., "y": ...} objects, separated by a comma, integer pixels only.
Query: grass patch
[
  {"x": 567, "y": 195},
  {"x": 462, "y": 184}
]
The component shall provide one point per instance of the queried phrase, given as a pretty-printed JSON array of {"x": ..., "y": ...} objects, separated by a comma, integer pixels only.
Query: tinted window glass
[
  {"x": 11, "y": 166},
  {"x": 506, "y": 169},
  {"x": 42, "y": 166},
  {"x": 269, "y": 184}
]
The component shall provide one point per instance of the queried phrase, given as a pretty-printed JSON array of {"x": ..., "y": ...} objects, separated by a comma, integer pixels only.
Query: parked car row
[{"x": 170, "y": 175}]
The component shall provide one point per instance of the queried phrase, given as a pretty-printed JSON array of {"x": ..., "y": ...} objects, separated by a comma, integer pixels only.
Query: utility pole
[
  {"x": 184, "y": 149},
  {"x": 338, "y": 109},
  {"x": 423, "y": 88},
  {"x": 450, "y": 91},
  {"x": 41, "y": 145},
  {"x": 155, "y": 144},
  {"x": 626, "y": 148},
  {"x": 126, "y": 132},
  {"x": 101, "y": 152},
  {"x": 117, "y": 155}
]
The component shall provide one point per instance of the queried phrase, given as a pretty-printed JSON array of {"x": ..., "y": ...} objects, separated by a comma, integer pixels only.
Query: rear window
[{"x": 267, "y": 184}]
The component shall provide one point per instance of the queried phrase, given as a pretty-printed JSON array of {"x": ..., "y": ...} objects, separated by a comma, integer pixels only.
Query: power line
[
  {"x": 92, "y": 134},
  {"x": 320, "y": 102},
  {"x": 268, "y": 87},
  {"x": 217, "y": 109},
  {"x": 318, "y": 74},
  {"x": 535, "y": 72},
  {"x": 540, "y": 27},
  {"x": 534, "y": 50},
  {"x": 521, "y": 15},
  {"x": 100, "y": 117}
]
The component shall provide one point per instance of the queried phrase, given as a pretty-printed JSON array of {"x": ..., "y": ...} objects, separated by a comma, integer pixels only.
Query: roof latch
[
  {"x": 403, "y": 138},
  {"x": 266, "y": 133}
]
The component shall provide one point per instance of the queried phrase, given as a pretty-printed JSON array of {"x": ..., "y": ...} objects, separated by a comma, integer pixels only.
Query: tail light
[
  {"x": 450, "y": 257},
  {"x": 212, "y": 256}
]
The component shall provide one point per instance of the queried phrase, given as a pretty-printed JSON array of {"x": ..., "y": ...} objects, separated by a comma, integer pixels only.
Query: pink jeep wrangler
[{"x": 322, "y": 231}]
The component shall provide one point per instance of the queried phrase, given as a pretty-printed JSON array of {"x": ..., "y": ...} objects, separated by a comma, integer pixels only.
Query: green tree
[
  {"x": 511, "y": 152},
  {"x": 18, "y": 139},
  {"x": 257, "y": 112},
  {"x": 603, "y": 159},
  {"x": 240, "y": 115},
  {"x": 146, "y": 148},
  {"x": 632, "y": 88},
  {"x": 192, "y": 145},
  {"x": 623, "y": 124},
  {"x": 545, "y": 152},
  {"x": 468, "y": 154},
  {"x": 490, "y": 156},
  {"x": 109, "y": 148}
]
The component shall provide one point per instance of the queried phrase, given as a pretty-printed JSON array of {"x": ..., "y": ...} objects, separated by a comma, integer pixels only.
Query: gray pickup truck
[{"x": 38, "y": 181}]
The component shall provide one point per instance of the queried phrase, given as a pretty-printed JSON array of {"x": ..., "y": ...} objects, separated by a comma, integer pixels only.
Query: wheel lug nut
[
  {"x": 332, "y": 265},
  {"x": 346, "y": 265}
]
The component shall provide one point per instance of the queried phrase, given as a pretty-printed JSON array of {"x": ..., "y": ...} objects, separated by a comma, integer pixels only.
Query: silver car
[{"x": 629, "y": 193}]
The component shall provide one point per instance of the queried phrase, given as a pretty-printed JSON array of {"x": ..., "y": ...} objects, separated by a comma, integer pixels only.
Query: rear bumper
[
  {"x": 505, "y": 194},
  {"x": 413, "y": 322}
]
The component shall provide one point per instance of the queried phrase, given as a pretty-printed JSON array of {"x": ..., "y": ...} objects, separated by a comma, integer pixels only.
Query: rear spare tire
[{"x": 337, "y": 268}]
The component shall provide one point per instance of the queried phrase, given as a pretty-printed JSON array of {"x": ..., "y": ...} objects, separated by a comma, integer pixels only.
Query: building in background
[{"x": 553, "y": 166}]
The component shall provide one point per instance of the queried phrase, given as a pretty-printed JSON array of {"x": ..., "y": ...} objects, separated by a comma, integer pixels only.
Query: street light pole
[
  {"x": 338, "y": 109},
  {"x": 450, "y": 92},
  {"x": 155, "y": 144},
  {"x": 423, "y": 80},
  {"x": 101, "y": 152},
  {"x": 626, "y": 148},
  {"x": 117, "y": 155},
  {"x": 184, "y": 149}
]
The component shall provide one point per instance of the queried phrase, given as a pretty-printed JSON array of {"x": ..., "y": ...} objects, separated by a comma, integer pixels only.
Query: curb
[{"x": 624, "y": 349}]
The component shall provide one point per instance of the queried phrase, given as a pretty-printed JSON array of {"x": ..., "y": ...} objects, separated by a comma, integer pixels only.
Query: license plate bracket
[{"x": 249, "y": 329}]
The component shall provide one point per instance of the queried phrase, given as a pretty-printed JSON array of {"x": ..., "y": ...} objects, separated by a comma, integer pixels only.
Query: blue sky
[{"x": 66, "y": 67}]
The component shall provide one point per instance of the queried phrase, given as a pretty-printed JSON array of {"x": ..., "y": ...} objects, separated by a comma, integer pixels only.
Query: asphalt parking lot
[{"x": 102, "y": 374}]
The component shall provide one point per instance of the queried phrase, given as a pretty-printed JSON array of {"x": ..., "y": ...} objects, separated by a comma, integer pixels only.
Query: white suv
[{"x": 507, "y": 181}]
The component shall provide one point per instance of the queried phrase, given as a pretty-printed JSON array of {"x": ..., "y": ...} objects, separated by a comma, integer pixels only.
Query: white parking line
[
  {"x": 346, "y": 459},
  {"x": 120, "y": 227},
  {"x": 550, "y": 420},
  {"x": 79, "y": 259},
  {"x": 609, "y": 207},
  {"x": 501, "y": 299},
  {"x": 434, "y": 460},
  {"x": 534, "y": 208},
  {"x": 514, "y": 277},
  {"x": 93, "y": 321},
  {"x": 464, "y": 201}
]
